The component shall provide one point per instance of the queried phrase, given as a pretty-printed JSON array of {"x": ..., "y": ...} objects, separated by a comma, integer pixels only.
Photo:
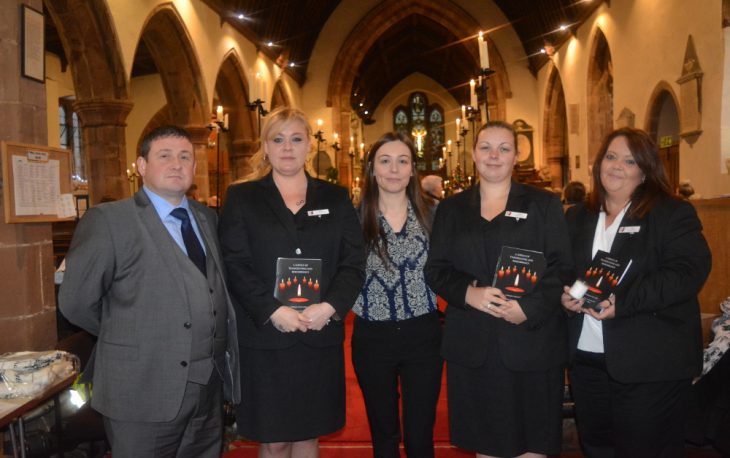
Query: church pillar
[
  {"x": 104, "y": 142},
  {"x": 28, "y": 305},
  {"x": 241, "y": 152},
  {"x": 200, "y": 137}
]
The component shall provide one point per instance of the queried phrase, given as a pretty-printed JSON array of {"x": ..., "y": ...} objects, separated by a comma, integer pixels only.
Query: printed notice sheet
[{"x": 36, "y": 184}]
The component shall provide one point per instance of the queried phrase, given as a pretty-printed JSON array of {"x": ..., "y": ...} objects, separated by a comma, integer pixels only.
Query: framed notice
[
  {"x": 32, "y": 44},
  {"x": 36, "y": 183}
]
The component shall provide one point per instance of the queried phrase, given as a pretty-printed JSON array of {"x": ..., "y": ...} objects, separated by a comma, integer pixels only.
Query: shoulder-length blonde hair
[{"x": 260, "y": 165}]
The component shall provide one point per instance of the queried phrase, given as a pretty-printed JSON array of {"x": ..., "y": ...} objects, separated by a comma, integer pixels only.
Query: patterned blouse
[{"x": 397, "y": 291}]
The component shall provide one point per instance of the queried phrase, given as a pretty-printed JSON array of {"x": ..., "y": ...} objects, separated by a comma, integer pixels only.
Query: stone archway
[
  {"x": 165, "y": 36},
  {"x": 376, "y": 23},
  {"x": 89, "y": 40},
  {"x": 239, "y": 143},
  {"x": 600, "y": 94},
  {"x": 662, "y": 123},
  {"x": 279, "y": 97},
  {"x": 555, "y": 137}
]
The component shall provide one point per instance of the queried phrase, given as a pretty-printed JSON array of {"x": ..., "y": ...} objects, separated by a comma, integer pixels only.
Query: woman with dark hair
[
  {"x": 397, "y": 333},
  {"x": 633, "y": 359},
  {"x": 505, "y": 356},
  {"x": 292, "y": 359}
]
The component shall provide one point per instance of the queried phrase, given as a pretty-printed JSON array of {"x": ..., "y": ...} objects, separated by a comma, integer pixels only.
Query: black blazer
[
  {"x": 256, "y": 228},
  {"x": 457, "y": 258},
  {"x": 656, "y": 334}
]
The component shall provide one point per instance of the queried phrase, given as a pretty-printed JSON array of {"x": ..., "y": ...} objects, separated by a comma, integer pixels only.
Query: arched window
[{"x": 425, "y": 124}]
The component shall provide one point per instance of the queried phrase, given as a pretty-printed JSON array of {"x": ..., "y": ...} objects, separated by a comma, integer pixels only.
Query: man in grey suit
[{"x": 145, "y": 275}]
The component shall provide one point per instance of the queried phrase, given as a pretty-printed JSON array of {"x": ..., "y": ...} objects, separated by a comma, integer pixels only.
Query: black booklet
[
  {"x": 518, "y": 271},
  {"x": 599, "y": 280},
  {"x": 297, "y": 282}
]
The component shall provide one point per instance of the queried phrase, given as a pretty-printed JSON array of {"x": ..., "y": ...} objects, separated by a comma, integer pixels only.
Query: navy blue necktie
[{"x": 192, "y": 244}]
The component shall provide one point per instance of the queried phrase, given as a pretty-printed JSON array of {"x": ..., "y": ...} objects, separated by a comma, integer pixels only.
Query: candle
[
  {"x": 337, "y": 137},
  {"x": 473, "y": 98},
  {"x": 458, "y": 127},
  {"x": 449, "y": 145},
  {"x": 463, "y": 113},
  {"x": 578, "y": 290},
  {"x": 483, "y": 52},
  {"x": 352, "y": 146},
  {"x": 319, "y": 124},
  {"x": 225, "y": 121},
  {"x": 219, "y": 113},
  {"x": 362, "y": 150}
]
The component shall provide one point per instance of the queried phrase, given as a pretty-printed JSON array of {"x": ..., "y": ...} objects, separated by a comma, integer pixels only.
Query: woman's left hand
[
  {"x": 317, "y": 316},
  {"x": 512, "y": 312},
  {"x": 608, "y": 309}
]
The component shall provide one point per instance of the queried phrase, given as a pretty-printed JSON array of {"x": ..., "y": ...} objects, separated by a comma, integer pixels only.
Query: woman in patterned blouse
[{"x": 397, "y": 333}]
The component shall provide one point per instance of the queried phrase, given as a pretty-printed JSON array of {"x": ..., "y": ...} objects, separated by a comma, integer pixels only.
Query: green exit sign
[{"x": 666, "y": 141}]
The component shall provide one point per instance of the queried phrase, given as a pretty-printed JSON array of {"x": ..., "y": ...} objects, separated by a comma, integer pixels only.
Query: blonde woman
[{"x": 293, "y": 362}]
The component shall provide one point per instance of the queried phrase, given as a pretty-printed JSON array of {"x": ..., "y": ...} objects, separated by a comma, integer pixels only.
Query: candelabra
[
  {"x": 219, "y": 124},
  {"x": 134, "y": 178},
  {"x": 258, "y": 106},
  {"x": 484, "y": 88},
  {"x": 336, "y": 146},
  {"x": 319, "y": 135}
]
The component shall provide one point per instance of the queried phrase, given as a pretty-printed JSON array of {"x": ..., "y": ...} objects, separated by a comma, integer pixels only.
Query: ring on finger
[{"x": 489, "y": 306}]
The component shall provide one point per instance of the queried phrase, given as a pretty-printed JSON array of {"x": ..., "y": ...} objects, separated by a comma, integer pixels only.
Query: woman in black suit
[
  {"x": 292, "y": 362},
  {"x": 634, "y": 358},
  {"x": 504, "y": 357}
]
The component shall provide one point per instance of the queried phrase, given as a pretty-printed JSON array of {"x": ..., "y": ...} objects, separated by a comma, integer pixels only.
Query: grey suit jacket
[{"x": 124, "y": 284}]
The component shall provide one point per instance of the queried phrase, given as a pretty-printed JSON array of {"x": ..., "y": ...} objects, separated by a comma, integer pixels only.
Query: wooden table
[{"x": 12, "y": 411}]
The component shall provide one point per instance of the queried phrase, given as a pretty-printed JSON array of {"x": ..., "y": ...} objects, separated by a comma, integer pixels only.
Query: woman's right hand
[
  {"x": 573, "y": 305},
  {"x": 286, "y": 319},
  {"x": 486, "y": 299}
]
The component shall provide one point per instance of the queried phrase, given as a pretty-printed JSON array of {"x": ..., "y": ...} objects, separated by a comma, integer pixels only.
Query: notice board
[{"x": 36, "y": 183}]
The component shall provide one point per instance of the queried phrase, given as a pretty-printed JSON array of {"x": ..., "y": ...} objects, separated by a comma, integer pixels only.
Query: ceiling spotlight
[
  {"x": 563, "y": 28},
  {"x": 361, "y": 104},
  {"x": 270, "y": 44},
  {"x": 543, "y": 51},
  {"x": 366, "y": 112},
  {"x": 241, "y": 16},
  {"x": 292, "y": 64}
]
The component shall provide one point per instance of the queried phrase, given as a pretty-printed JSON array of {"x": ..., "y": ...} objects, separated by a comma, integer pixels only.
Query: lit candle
[
  {"x": 463, "y": 113},
  {"x": 473, "y": 98},
  {"x": 337, "y": 137},
  {"x": 362, "y": 150},
  {"x": 458, "y": 127},
  {"x": 219, "y": 113},
  {"x": 352, "y": 145},
  {"x": 483, "y": 51},
  {"x": 448, "y": 143},
  {"x": 443, "y": 151},
  {"x": 225, "y": 121},
  {"x": 319, "y": 124}
]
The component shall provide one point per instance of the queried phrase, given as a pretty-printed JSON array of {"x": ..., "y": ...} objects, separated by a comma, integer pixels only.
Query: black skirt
[
  {"x": 499, "y": 412},
  {"x": 291, "y": 395}
]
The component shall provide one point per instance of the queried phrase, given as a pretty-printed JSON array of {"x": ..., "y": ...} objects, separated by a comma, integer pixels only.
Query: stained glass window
[{"x": 424, "y": 123}]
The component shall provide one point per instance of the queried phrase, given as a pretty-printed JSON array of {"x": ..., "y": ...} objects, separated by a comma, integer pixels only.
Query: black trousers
[
  {"x": 386, "y": 353},
  {"x": 626, "y": 420}
]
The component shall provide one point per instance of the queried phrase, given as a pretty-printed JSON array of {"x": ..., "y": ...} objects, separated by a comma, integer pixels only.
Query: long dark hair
[
  {"x": 373, "y": 232},
  {"x": 655, "y": 185}
]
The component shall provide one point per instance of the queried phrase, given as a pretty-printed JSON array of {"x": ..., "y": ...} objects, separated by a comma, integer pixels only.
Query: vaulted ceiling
[{"x": 287, "y": 30}]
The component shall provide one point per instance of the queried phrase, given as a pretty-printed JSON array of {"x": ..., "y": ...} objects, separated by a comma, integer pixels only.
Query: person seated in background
[
  {"x": 433, "y": 186},
  {"x": 574, "y": 193},
  {"x": 686, "y": 190}
]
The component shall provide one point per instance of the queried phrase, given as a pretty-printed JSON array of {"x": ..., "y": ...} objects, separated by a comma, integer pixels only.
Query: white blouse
[{"x": 591, "y": 336}]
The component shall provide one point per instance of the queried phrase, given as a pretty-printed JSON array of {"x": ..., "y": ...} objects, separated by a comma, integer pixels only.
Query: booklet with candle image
[
  {"x": 518, "y": 271},
  {"x": 298, "y": 282},
  {"x": 601, "y": 278}
]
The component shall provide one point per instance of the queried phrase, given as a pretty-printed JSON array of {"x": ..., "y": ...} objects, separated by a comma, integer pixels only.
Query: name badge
[
  {"x": 629, "y": 229},
  {"x": 323, "y": 211},
  {"x": 516, "y": 215}
]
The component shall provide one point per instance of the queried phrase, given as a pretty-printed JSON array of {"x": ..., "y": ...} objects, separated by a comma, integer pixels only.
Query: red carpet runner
[{"x": 353, "y": 441}]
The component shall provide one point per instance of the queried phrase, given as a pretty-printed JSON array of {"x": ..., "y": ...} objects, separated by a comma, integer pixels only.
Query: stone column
[
  {"x": 241, "y": 152},
  {"x": 104, "y": 142},
  {"x": 200, "y": 136},
  {"x": 28, "y": 305}
]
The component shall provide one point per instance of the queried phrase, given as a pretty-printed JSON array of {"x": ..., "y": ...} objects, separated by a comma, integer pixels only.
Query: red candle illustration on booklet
[
  {"x": 297, "y": 283},
  {"x": 518, "y": 271}
]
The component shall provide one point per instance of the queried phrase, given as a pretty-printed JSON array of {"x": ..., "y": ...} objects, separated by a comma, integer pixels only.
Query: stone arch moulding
[
  {"x": 90, "y": 41},
  {"x": 378, "y": 21},
  {"x": 231, "y": 87},
  {"x": 659, "y": 89},
  {"x": 279, "y": 97},
  {"x": 165, "y": 35},
  {"x": 599, "y": 93},
  {"x": 555, "y": 142}
]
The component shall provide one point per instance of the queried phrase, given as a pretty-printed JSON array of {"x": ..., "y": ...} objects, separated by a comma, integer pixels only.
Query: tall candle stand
[
  {"x": 319, "y": 135},
  {"x": 219, "y": 125},
  {"x": 258, "y": 106},
  {"x": 484, "y": 88}
]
